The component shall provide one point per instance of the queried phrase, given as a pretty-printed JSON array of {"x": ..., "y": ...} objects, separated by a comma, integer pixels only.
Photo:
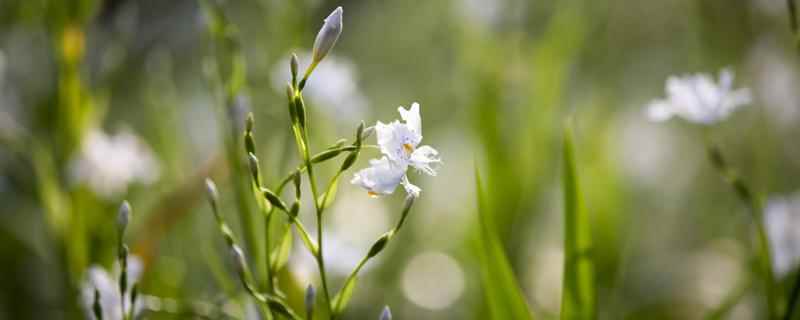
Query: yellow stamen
[
  {"x": 408, "y": 147},
  {"x": 372, "y": 194}
]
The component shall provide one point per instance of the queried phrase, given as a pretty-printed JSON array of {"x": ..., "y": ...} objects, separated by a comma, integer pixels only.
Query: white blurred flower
[
  {"x": 776, "y": 82},
  {"x": 334, "y": 91},
  {"x": 699, "y": 99},
  {"x": 399, "y": 143},
  {"x": 433, "y": 280},
  {"x": 109, "y": 164},
  {"x": 106, "y": 284},
  {"x": 782, "y": 220}
]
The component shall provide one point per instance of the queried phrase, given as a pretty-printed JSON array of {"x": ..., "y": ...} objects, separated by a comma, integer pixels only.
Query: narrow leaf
[
  {"x": 501, "y": 289},
  {"x": 341, "y": 299},
  {"x": 280, "y": 256},
  {"x": 577, "y": 295}
]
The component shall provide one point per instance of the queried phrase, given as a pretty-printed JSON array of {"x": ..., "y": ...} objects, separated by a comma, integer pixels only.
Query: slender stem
[{"x": 744, "y": 193}]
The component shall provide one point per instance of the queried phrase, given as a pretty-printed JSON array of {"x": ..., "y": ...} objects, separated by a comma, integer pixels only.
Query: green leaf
[
  {"x": 342, "y": 298},
  {"x": 577, "y": 295},
  {"x": 326, "y": 198},
  {"x": 279, "y": 257},
  {"x": 501, "y": 289}
]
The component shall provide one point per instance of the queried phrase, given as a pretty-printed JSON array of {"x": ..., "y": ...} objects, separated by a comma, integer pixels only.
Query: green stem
[{"x": 744, "y": 193}]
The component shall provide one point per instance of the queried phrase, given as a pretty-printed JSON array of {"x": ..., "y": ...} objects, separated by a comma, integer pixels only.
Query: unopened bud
[
  {"x": 123, "y": 217},
  {"x": 327, "y": 36},
  {"x": 274, "y": 199},
  {"x": 294, "y": 65},
  {"x": 310, "y": 298},
  {"x": 368, "y": 131},
  {"x": 386, "y": 314},
  {"x": 249, "y": 122},
  {"x": 252, "y": 161},
  {"x": 378, "y": 246},
  {"x": 239, "y": 262}
]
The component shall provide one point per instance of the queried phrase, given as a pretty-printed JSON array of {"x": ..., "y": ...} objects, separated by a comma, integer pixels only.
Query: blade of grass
[
  {"x": 501, "y": 289},
  {"x": 577, "y": 295}
]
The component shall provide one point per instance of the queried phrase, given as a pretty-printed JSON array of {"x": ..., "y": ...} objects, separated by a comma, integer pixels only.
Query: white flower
[
  {"x": 782, "y": 220},
  {"x": 382, "y": 177},
  {"x": 106, "y": 284},
  {"x": 108, "y": 164},
  {"x": 399, "y": 143},
  {"x": 328, "y": 35},
  {"x": 697, "y": 98}
]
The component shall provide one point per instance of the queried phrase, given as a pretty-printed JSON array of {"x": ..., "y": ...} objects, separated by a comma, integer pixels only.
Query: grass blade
[
  {"x": 577, "y": 295},
  {"x": 501, "y": 289}
]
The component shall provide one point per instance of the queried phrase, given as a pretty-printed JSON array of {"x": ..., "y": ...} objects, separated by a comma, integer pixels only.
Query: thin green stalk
[{"x": 744, "y": 193}]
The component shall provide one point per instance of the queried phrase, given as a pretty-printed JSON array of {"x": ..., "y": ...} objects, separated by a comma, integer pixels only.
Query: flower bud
[
  {"x": 252, "y": 162},
  {"x": 386, "y": 314},
  {"x": 368, "y": 131},
  {"x": 310, "y": 298},
  {"x": 378, "y": 246},
  {"x": 327, "y": 36},
  {"x": 274, "y": 199},
  {"x": 239, "y": 262},
  {"x": 123, "y": 217},
  {"x": 294, "y": 65},
  {"x": 249, "y": 122}
]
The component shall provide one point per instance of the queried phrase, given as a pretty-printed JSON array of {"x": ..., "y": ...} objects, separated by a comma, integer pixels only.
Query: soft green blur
[{"x": 496, "y": 80}]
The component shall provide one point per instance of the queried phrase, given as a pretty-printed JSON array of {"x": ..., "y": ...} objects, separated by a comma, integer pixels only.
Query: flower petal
[
  {"x": 412, "y": 118},
  {"x": 410, "y": 188},
  {"x": 423, "y": 157},
  {"x": 382, "y": 177}
]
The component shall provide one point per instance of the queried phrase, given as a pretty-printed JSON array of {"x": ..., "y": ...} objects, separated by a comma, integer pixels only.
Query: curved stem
[{"x": 744, "y": 193}]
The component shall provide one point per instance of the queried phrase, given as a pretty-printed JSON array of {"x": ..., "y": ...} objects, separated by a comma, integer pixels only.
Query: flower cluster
[
  {"x": 697, "y": 98},
  {"x": 399, "y": 144}
]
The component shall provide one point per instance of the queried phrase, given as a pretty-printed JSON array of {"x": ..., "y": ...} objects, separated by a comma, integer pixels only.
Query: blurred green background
[{"x": 495, "y": 80}]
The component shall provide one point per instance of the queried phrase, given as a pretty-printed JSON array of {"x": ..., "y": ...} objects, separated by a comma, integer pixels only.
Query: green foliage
[
  {"x": 499, "y": 285},
  {"x": 578, "y": 293}
]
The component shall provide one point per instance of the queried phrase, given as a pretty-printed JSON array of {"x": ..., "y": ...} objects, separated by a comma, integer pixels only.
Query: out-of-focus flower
[
  {"x": 399, "y": 142},
  {"x": 327, "y": 36},
  {"x": 776, "y": 81},
  {"x": 782, "y": 220},
  {"x": 339, "y": 98},
  {"x": 433, "y": 280},
  {"x": 699, "y": 99},
  {"x": 106, "y": 284},
  {"x": 386, "y": 314},
  {"x": 109, "y": 164}
]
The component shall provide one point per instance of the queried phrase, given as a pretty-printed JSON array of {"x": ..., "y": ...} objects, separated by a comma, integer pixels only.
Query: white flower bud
[
  {"x": 123, "y": 217},
  {"x": 327, "y": 35}
]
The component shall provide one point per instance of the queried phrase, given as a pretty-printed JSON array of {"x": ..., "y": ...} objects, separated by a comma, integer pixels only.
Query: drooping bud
[
  {"x": 386, "y": 314},
  {"x": 123, "y": 217},
  {"x": 310, "y": 298},
  {"x": 274, "y": 199},
  {"x": 327, "y": 36}
]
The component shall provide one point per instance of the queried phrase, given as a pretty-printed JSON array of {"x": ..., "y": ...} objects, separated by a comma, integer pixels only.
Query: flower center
[
  {"x": 408, "y": 148},
  {"x": 372, "y": 194}
]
